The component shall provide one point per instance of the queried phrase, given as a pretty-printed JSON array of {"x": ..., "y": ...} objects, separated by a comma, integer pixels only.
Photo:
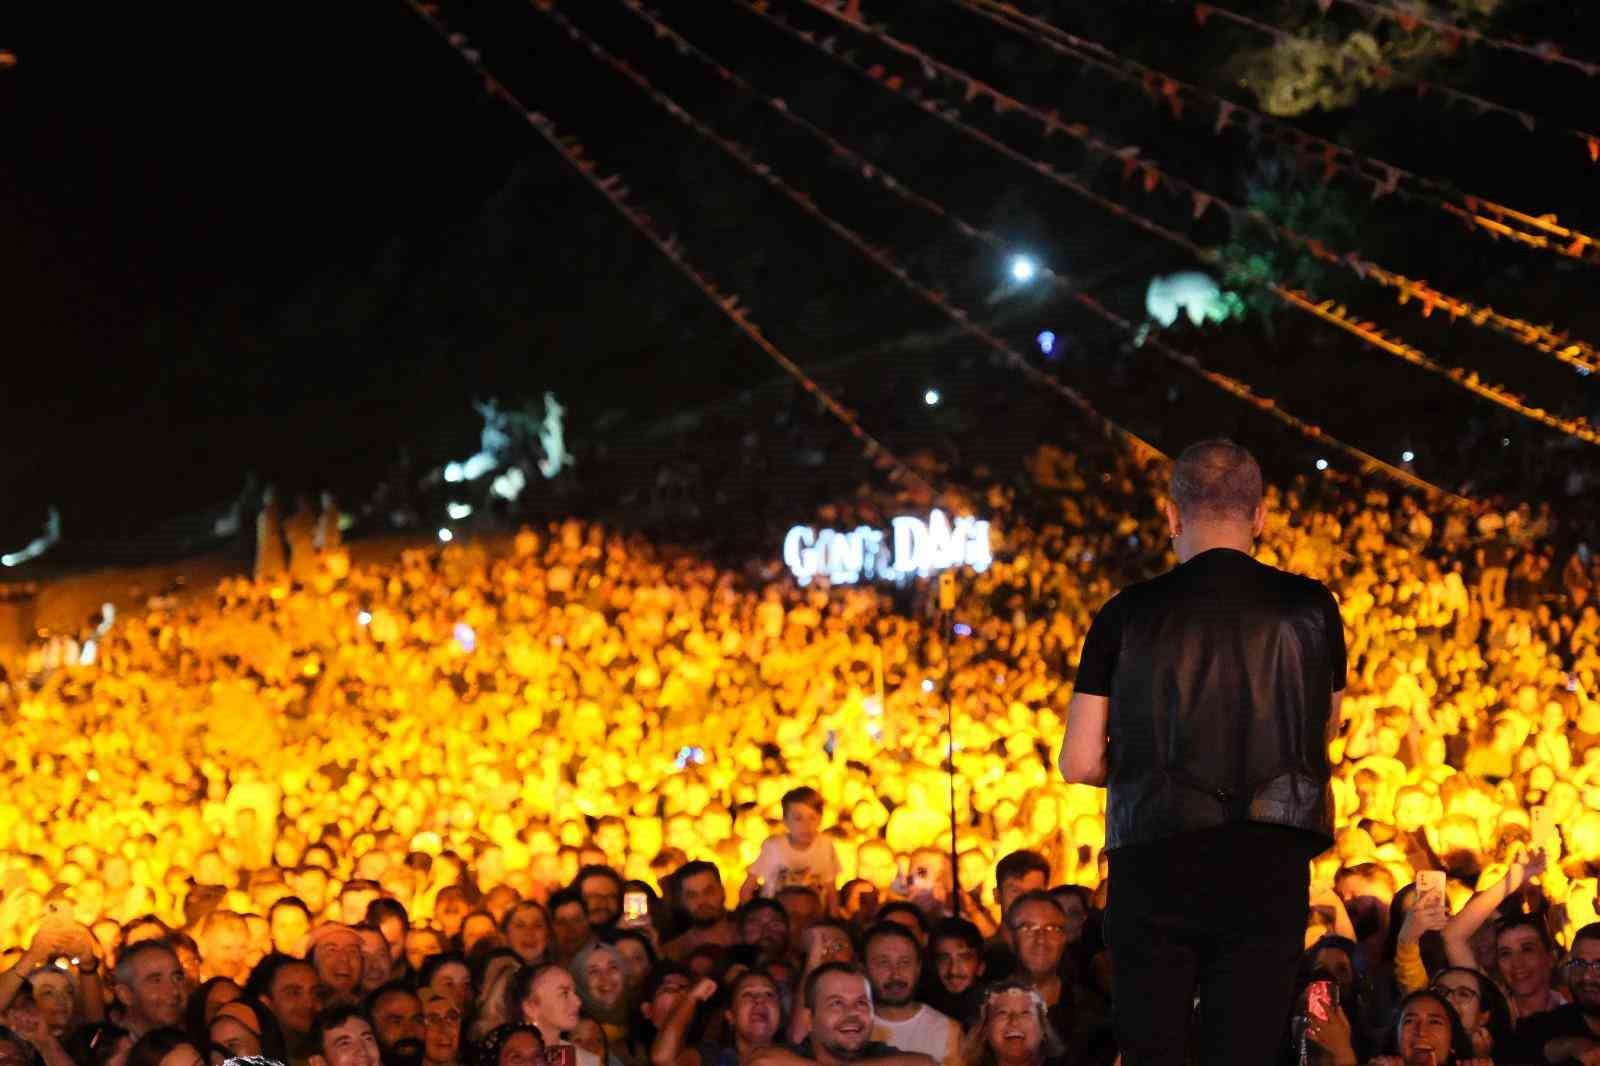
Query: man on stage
[{"x": 1204, "y": 702}]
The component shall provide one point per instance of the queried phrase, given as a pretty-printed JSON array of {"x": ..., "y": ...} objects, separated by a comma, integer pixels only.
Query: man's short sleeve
[
  {"x": 1338, "y": 657},
  {"x": 1098, "y": 664}
]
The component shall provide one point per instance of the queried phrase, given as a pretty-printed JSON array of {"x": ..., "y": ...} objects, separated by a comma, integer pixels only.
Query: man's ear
[
  {"x": 1174, "y": 523},
  {"x": 1259, "y": 523},
  {"x": 120, "y": 990},
  {"x": 316, "y": 1060}
]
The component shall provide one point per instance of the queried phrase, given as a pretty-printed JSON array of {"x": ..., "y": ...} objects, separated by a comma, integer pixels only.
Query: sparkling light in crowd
[
  {"x": 445, "y": 536},
  {"x": 1047, "y": 342},
  {"x": 1023, "y": 269},
  {"x": 458, "y": 511},
  {"x": 1407, "y": 455},
  {"x": 931, "y": 397},
  {"x": 1322, "y": 464},
  {"x": 364, "y": 618}
]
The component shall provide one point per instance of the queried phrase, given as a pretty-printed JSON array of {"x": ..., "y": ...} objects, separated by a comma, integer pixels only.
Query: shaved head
[{"x": 1216, "y": 481}]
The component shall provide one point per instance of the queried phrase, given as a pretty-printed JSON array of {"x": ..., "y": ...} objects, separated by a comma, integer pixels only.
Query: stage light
[
  {"x": 1023, "y": 269},
  {"x": 1505, "y": 442},
  {"x": 1322, "y": 464},
  {"x": 445, "y": 536},
  {"x": 927, "y": 684},
  {"x": 465, "y": 637},
  {"x": 931, "y": 397},
  {"x": 458, "y": 511},
  {"x": 1047, "y": 342},
  {"x": 1407, "y": 456},
  {"x": 364, "y": 618},
  {"x": 962, "y": 629},
  {"x": 454, "y": 472}
]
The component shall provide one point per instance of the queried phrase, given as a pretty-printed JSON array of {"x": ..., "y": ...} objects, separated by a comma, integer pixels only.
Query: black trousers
[{"x": 1219, "y": 915}]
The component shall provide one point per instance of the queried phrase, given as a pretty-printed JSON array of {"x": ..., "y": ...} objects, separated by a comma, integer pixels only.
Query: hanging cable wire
[
  {"x": 1141, "y": 448},
  {"x": 1479, "y": 213},
  {"x": 1580, "y": 354},
  {"x": 1382, "y": 74},
  {"x": 873, "y": 171},
  {"x": 615, "y": 192},
  {"x": 1576, "y": 427}
]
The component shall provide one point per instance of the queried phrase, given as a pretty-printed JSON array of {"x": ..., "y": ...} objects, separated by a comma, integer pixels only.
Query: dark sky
[{"x": 189, "y": 192}]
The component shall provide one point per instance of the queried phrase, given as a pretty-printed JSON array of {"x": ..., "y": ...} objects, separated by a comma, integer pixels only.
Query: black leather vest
[{"x": 1220, "y": 700}]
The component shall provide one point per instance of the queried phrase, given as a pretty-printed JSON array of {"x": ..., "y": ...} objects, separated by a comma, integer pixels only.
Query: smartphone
[
  {"x": 1320, "y": 1000},
  {"x": 1544, "y": 825},
  {"x": 561, "y": 1055},
  {"x": 1430, "y": 883},
  {"x": 635, "y": 907}
]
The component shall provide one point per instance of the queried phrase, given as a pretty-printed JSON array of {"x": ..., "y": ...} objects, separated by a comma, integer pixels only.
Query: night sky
[{"x": 220, "y": 221}]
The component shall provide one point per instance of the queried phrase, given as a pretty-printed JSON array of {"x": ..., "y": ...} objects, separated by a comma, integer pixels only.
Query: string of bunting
[
  {"x": 1332, "y": 313},
  {"x": 1382, "y": 73},
  {"x": 1142, "y": 450},
  {"x": 1543, "y": 338},
  {"x": 1478, "y": 213},
  {"x": 870, "y": 170},
  {"x": 616, "y": 192},
  {"x": 951, "y": 117},
  {"x": 1410, "y": 20}
]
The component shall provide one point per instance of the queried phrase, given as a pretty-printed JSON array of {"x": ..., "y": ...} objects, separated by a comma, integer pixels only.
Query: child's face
[{"x": 802, "y": 823}]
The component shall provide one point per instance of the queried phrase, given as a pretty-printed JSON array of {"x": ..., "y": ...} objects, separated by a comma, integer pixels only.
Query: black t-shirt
[{"x": 1537, "y": 1030}]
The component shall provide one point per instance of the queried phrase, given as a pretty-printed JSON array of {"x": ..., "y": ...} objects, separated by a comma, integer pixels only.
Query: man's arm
[
  {"x": 1083, "y": 750},
  {"x": 1335, "y": 716}
]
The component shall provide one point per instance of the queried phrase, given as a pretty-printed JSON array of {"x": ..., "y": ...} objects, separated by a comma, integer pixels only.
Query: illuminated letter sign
[{"x": 914, "y": 547}]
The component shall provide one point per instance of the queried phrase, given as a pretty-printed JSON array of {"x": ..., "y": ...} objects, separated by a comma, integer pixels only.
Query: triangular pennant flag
[
  {"x": 1390, "y": 182},
  {"x": 1224, "y": 112},
  {"x": 1201, "y": 202},
  {"x": 1174, "y": 95},
  {"x": 1152, "y": 178}
]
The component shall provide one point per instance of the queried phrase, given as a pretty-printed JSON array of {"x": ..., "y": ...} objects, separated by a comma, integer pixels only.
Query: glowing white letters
[{"x": 914, "y": 547}]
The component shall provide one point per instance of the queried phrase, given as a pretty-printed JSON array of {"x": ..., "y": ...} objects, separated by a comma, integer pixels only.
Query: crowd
[{"x": 579, "y": 797}]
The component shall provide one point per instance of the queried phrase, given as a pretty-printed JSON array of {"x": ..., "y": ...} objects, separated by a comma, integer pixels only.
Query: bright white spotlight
[
  {"x": 1023, "y": 269},
  {"x": 453, "y": 472},
  {"x": 1322, "y": 464},
  {"x": 458, "y": 511},
  {"x": 927, "y": 684},
  {"x": 445, "y": 536},
  {"x": 1407, "y": 456},
  {"x": 1047, "y": 342},
  {"x": 364, "y": 618},
  {"x": 931, "y": 397}
]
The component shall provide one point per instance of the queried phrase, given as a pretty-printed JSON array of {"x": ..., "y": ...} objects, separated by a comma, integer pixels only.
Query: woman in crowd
[
  {"x": 514, "y": 1044},
  {"x": 601, "y": 977},
  {"x": 1012, "y": 1029},
  {"x": 166, "y": 1047},
  {"x": 526, "y": 927},
  {"x": 1481, "y": 1006}
]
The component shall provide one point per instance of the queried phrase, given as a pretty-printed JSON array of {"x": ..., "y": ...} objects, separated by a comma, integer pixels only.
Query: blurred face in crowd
[
  {"x": 704, "y": 899},
  {"x": 351, "y": 1043},
  {"x": 1012, "y": 1026},
  {"x": 1338, "y": 965},
  {"x": 184, "y": 1054},
  {"x": 397, "y": 1024},
  {"x": 1461, "y": 989},
  {"x": 1013, "y": 887},
  {"x": 52, "y": 991},
  {"x": 635, "y": 961},
  {"x": 802, "y": 822},
  {"x": 602, "y": 900},
  {"x": 1040, "y": 936},
  {"x": 375, "y": 964},
  {"x": 454, "y": 981},
  {"x": 528, "y": 932},
  {"x": 450, "y": 910},
  {"x": 957, "y": 964},
  {"x": 1424, "y": 1029},
  {"x": 338, "y": 960},
  {"x": 603, "y": 975},
  {"x": 552, "y": 1003},
  {"x": 755, "y": 1010},
  {"x": 292, "y": 996},
  {"x": 570, "y": 923},
  {"x": 767, "y": 929},
  {"x": 893, "y": 966},
  {"x": 841, "y": 1021},
  {"x": 1583, "y": 976},
  {"x": 155, "y": 995},
  {"x": 523, "y": 1049},
  {"x": 235, "y": 1030},
  {"x": 441, "y": 1023},
  {"x": 668, "y": 992},
  {"x": 353, "y": 903},
  {"x": 477, "y": 928},
  {"x": 420, "y": 944},
  {"x": 1524, "y": 962},
  {"x": 804, "y": 910},
  {"x": 289, "y": 927}
]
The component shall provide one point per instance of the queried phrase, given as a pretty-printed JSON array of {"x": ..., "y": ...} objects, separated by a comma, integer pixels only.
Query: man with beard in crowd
[
  {"x": 956, "y": 947},
  {"x": 1570, "y": 1033},
  {"x": 838, "y": 997},
  {"x": 150, "y": 986},
  {"x": 396, "y": 1016},
  {"x": 894, "y": 967},
  {"x": 1205, "y": 700},
  {"x": 764, "y": 926},
  {"x": 706, "y": 902},
  {"x": 337, "y": 955}
]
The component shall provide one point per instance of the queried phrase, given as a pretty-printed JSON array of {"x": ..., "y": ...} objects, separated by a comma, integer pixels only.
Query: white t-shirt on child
[{"x": 781, "y": 864}]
